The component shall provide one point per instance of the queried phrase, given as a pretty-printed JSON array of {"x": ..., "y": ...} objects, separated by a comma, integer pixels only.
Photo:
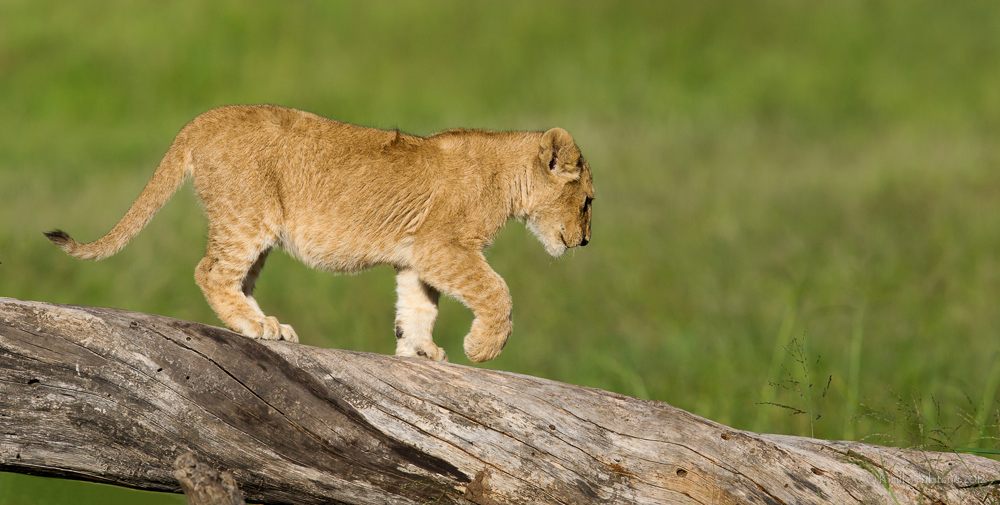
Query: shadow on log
[{"x": 113, "y": 396}]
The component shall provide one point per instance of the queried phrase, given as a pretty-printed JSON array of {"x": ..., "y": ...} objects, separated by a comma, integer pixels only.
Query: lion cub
[{"x": 343, "y": 197}]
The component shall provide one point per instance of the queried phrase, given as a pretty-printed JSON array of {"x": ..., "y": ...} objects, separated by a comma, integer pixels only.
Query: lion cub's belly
[
  {"x": 351, "y": 230},
  {"x": 342, "y": 251}
]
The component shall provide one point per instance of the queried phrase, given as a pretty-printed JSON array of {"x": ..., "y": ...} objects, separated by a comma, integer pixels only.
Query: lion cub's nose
[{"x": 585, "y": 241}]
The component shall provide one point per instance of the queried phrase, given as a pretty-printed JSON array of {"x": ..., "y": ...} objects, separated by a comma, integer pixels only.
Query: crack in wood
[{"x": 407, "y": 452}]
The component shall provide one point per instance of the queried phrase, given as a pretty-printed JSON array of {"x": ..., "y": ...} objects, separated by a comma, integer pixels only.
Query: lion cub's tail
[{"x": 169, "y": 175}]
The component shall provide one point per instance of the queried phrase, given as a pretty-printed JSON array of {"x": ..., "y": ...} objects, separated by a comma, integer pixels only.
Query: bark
[{"x": 113, "y": 396}]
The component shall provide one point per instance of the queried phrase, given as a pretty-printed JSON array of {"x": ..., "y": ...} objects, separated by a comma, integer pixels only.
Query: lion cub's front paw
[
  {"x": 479, "y": 351},
  {"x": 421, "y": 350},
  {"x": 482, "y": 345}
]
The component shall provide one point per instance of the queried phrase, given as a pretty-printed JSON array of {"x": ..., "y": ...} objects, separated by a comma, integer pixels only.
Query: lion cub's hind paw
[
  {"x": 270, "y": 329},
  {"x": 287, "y": 333}
]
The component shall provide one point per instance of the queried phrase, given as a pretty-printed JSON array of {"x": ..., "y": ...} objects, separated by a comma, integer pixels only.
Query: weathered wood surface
[
  {"x": 115, "y": 396},
  {"x": 204, "y": 485}
]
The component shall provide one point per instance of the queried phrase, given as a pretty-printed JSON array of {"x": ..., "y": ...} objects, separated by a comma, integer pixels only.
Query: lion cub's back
[
  {"x": 270, "y": 130},
  {"x": 341, "y": 196}
]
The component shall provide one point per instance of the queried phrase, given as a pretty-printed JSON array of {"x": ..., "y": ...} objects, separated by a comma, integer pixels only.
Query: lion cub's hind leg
[
  {"x": 227, "y": 275},
  {"x": 287, "y": 333},
  {"x": 416, "y": 311}
]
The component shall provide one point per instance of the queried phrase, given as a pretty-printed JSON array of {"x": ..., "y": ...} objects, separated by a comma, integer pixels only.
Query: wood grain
[{"x": 115, "y": 396}]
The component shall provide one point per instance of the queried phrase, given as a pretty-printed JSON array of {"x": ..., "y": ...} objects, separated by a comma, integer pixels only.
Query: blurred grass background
[{"x": 797, "y": 203}]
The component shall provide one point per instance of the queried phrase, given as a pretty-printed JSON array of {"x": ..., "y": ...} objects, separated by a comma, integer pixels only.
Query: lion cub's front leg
[
  {"x": 467, "y": 276},
  {"x": 416, "y": 311}
]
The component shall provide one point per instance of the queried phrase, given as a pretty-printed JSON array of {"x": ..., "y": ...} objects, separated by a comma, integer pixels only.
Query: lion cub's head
[{"x": 562, "y": 191}]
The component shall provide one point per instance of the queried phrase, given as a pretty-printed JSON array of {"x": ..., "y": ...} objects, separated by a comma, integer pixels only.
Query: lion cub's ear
[{"x": 558, "y": 151}]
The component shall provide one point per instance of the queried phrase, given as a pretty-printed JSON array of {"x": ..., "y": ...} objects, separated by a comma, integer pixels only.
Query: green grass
[{"x": 765, "y": 172}]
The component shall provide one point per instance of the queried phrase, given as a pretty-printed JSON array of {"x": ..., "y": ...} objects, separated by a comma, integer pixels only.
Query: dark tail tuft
[{"x": 58, "y": 237}]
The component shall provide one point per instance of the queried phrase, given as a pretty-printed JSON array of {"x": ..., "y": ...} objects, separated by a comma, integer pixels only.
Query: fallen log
[{"x": 113, "y": 396}]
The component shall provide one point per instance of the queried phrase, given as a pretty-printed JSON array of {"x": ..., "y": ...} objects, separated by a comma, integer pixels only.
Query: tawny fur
[{"x": 344, "y": 197}]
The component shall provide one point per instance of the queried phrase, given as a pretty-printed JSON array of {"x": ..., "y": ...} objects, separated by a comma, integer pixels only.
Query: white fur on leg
[{"x": 416, "y": 310}]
